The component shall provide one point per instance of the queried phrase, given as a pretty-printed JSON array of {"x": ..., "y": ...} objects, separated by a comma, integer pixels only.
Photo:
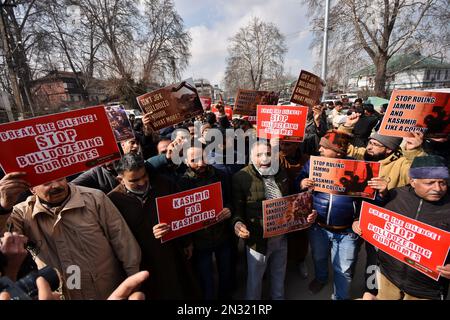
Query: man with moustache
[
  {"x": 73, "y": 228},
  {"x": 427, "y": 200},
  {"x": 394, "y": 161},
  {"x": 332, "y": 233},
  {"x": 394, "y": 165}
]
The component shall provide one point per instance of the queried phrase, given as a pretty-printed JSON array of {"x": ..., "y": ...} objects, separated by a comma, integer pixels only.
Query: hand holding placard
[
  {"x": 444, "y": 270},
  {"x": 312, "y": 217},
  {"x": 223, "y": 215},
  {"x": 356, "y": 228},
  {"x": 241, "y": 230},
  {"x": 414, "y": 142},
  {"x": 160, "y": 230},
  {"x": 307, "y": 184},
  {"x": 11, "y": 186},
  {"x": 380, "y": 184}
]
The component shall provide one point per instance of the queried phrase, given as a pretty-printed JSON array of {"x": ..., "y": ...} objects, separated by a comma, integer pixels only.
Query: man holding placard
[
  {"x": 73, "y": 226},
  {"x": 426, "y": 200},
  {"x": 135, "y": 199},
  {"x": 394, "y": 160},
  {"x": 253, "y": 184},
  {"x": 216, "y": 238},
  {"x": 332, "y": 229},
  {"x": 394, "y": 164}
]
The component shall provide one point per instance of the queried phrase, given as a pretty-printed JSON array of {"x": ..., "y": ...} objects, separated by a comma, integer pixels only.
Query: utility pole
[
  {"x": 9, "y": 62},
  {"x": 325, "y": 44}
]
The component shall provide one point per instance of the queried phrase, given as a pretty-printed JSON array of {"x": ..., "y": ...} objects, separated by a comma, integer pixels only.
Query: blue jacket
[{"x": 332, "y": 210}]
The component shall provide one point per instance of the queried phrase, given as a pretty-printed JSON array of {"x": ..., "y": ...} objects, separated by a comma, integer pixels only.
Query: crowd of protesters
[{"x": 105, "y": 222}]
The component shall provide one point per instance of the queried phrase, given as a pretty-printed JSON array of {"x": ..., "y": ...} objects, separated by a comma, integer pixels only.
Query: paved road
[{"x": 297, "y": 287}]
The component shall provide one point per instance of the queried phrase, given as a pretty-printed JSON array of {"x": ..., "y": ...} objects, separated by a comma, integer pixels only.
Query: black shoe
[{"x": 315, "y": 286}]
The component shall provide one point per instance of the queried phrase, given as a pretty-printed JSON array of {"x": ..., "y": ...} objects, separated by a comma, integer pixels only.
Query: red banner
[
  {"x": 188, "y": 211},
  {"x": 419, "y": 245},
  {"x": 343, "y": 176},
  {"x": 56, "y": 146},
  {"x": 286, "y": 214},
  {"x": 417, "y": 111},
  {"x": 283, "y": 122}
]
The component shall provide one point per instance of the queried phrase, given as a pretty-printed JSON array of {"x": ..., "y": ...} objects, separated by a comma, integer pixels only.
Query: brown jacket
[
  {"x": 88, "y": 232},
  {"x": 395, "y": 167}
]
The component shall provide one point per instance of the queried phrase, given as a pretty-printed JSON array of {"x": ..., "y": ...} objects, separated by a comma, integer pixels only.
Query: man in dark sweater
[
  {"x": 168, "y": 263},
  {"x": 215, "y": 239},
  {"x": 363, "y": 128},
  {"x": 426, "y": 200}
]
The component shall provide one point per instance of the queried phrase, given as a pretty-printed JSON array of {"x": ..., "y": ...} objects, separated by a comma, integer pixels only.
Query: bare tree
[
  {"x": 132, "y": 43},
  {"x": 15, "y": 16},
  {"x": 164, "y": 43},
  {"x": 256, "y": 55},
  {"x": 143, "y": 46},
  {"x": 376, "y": 30},
  {"x": 115, "y": 22},
  {"x": 75, "y": 43}
]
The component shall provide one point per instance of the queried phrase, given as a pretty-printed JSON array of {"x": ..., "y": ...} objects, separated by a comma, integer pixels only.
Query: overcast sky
[{"x": 212, "y": 23}]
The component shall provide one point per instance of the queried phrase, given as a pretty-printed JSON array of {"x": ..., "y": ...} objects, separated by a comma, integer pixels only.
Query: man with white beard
[{"x": 260, "y": 180}]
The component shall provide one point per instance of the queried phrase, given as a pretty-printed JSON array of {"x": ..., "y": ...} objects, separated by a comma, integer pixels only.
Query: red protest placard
[
  {"x": 59, "y": 145},
  {"x": 188, "y": 211},
  {"x": 343, "y": 176},
  {"x": 308, "y": 89},
  {"x": 417, "y": 111},
  {"x": 419, "y": 245},
  {"x": 283, "y": 122},
  {"x": 286, "y": 214}
]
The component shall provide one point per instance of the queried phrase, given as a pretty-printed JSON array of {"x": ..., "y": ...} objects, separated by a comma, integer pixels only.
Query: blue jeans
[
  {"x": 276, "y": 258},
  {"x": 344, "y": 254},
  {"x": 203, "y": 260}
]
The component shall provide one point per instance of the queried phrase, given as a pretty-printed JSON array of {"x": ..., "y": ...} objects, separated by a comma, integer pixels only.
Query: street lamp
[{"x": 325, "y": 45}]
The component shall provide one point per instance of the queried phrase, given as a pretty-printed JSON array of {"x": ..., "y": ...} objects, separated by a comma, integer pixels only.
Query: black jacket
[
  {"x": 437, "y": 214},
  {"x": 214, "y": 235},
  {"x": 363, "y": 129},
  {"x": 171, "y": 274}
]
